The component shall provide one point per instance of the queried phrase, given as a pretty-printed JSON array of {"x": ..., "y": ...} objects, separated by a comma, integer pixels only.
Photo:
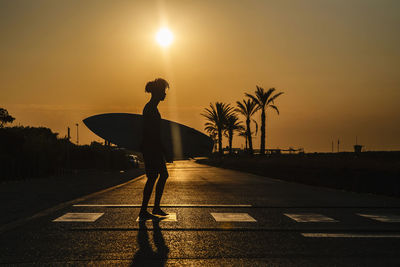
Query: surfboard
[{"x": 125, "y": 130}]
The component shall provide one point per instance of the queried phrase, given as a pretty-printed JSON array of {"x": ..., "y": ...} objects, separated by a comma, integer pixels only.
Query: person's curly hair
[{"x": 156, "y": 85}]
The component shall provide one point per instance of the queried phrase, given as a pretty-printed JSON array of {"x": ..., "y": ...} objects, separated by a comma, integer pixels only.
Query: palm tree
[
  {"x": 243, "y": 133},
  {"x": 247, "y": 109},
  {"x": 217, "y": 116},
  {"x": 232, "y": 124},
  {"x": 264, "y": 100},
  {"x": 212, "y": 131}
]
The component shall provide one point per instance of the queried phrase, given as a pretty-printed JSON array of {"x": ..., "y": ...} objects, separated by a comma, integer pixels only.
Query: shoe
[
  {"x": 145, "y": 215},
  {"x": 159, "y": 212}
]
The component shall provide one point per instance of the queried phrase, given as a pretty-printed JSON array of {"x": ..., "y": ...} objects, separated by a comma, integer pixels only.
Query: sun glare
[{"x": 164, "y": 37}]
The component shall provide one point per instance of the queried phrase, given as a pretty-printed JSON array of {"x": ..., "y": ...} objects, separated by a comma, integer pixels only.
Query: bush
[
  {"x": 29, "y": 152},
  {"x": 372, "y": 172}
]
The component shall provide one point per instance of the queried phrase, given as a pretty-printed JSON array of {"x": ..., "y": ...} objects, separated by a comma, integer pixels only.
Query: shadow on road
[{"x": 145, "y": 256}]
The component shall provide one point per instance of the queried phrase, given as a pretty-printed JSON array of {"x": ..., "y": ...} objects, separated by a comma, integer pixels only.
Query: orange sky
[{"x": 338, "y": 63}]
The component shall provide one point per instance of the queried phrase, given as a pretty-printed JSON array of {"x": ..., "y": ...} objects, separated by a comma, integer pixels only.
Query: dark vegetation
[
  {"x": 31, "y": 152},
  {"x": 367, "y": 172},
  {"x": 222, "y": 118},
  {"x": 5, "y": 117}
]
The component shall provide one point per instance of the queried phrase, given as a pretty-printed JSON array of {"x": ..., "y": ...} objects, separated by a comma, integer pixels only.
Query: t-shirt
[{"x": 151, "y": 129}]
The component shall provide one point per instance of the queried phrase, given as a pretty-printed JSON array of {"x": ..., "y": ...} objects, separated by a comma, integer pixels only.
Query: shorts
[{"x": 154, "y": 163}]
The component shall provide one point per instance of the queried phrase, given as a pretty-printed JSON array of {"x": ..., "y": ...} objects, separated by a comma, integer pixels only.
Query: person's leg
[
  {"x": 148, "y": 188},
  {"x": 159, "y": 191}
]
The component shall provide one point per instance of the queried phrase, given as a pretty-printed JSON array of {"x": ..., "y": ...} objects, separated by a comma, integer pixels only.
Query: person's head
[{"x": 157, "y": 88}]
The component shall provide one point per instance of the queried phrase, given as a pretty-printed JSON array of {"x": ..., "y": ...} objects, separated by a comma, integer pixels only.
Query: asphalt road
[{"x": 346, "y": 229}]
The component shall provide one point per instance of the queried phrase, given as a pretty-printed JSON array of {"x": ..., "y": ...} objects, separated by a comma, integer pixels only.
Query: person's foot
[
  {"x": 145, "y": 215},
  {"x": 158, "y": 211}
]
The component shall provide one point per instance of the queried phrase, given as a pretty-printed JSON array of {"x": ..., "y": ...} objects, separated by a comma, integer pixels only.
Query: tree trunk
[
  {"x": 230, "y": 141},
  {"x": 249, "y": 137},
  {"x": 220, "y": 142},
  {"x": 262, "y": 149}
]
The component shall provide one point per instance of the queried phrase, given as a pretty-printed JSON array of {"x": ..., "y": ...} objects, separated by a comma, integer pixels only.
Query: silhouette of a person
[{"x": 154, "y": 152}]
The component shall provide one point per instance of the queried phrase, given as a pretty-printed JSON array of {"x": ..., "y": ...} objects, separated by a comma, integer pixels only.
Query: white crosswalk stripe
[
  {"x": 349, "y": 235},
  {"x": 79, "y": 217},
  {"x": 170, "y": 218},
  {"x": 309, "y": 217},
  {"x": 232, "y": 217},
  {"x": 382, "y": 218}
]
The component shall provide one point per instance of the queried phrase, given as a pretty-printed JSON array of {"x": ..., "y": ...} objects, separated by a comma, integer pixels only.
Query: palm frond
[
  {"x": 241, "y": 108},
  {"x": 254, "y": 98},
  {"x": 243, "y": 134},
  {"x": 217, "y": 114},
  {"x": 275, "y": 107},
  {"x": 247, "y": 107},
  {"x": 256, "y": 126},
  {"x": 272, "y": 99},
  {"x": 233, "y": 123}
]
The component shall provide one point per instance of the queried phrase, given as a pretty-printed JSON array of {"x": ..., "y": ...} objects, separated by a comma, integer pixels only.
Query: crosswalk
[
  {"x": 242, "y": 217},
  {"x": 239, "y": 217}
]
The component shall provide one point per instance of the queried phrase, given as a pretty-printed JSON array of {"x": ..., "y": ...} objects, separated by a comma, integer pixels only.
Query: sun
[{"x": 164, "y": 37}]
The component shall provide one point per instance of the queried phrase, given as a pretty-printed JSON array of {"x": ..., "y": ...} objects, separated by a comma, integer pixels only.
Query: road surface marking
[
  {"x": 309, "y": 217},
  {"x": 170, "y": 218},
  {"x": 79, "y": 217},
  {"x": 168, "y": 205},
  {"x": 350, "y": 235},
  {"x": 382, "y": 218},
  {"x": 233, "y": 217}
]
